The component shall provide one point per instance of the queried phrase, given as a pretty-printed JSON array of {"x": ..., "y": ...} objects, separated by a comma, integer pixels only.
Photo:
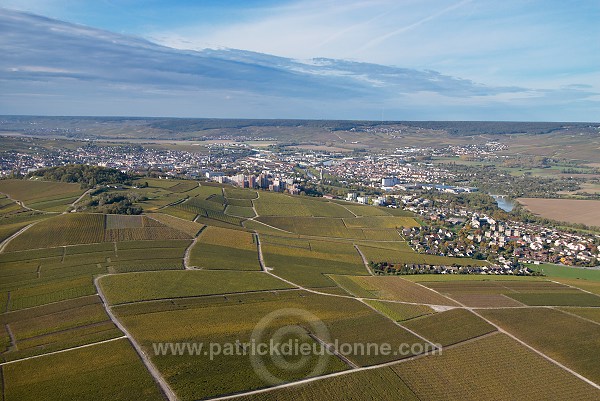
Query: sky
[{"x": 536, "y": 59}]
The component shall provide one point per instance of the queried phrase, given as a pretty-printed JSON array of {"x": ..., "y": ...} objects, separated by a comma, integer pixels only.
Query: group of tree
[
  {"x": 115, "y": 202},
  {"x": 86, "y": 175}
]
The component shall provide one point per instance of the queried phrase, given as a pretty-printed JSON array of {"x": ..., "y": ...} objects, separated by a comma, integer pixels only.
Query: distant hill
[{"x": 172, "y": 128}]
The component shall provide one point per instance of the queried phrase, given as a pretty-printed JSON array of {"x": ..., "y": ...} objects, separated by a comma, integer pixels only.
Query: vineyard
[
  {"x": 67, "y": 376},
  {"x": 144, "y": 286},
  {"x": 190, "y": 271},
  {"x": 400, "y": 312},
  {"x": 183, "y": 186},
  {"x": 472, "y": 372},
  {"x": 220, "y": 248},
  {"x": 450, "y": 327}
]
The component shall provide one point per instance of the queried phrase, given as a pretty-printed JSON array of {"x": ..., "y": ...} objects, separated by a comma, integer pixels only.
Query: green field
[
  {"x": 43, "y": 195},
  {"x": 69, "y": 229},
  {"x": 110, "y": 371},
  {"x": 363, "y": 210},
  {"x": 333, "y": 227},
  {"x": 135, "y": 287},
  {"x": 61, "y": 230},
  {"x": 573, "y": 342},
  {"x": 381, "y": 222},
  {"x": 240, "y": 211},
  {"x": 346, "y": 320},
  {"x": 586, "y": 313},
  {"x": 392, "y": 288},
  {"x": 238, "y": 202},
  {"x": 450, "y": 327},
  {"x": 560, "y": 299},
  {"x": 493, "y": 367},
  {"x": 240, "y": 193},
  {"x": 189, "y": 227},
  {"x": 271, "y": 204},
  {"x": 401, "y": 253},
  {"x": 306, "y": 262},
  {"x": 397, "y": 311},
  {"x": 221, "y": 248},
  {"x": 507, "y": 293},
  {"x": 183, "y": 186},
  {"x": 49, "y": 303},
  {"x": 567, "y": 272},
  {"x": 370, "y": 385},
  {"x": 56, "y": 290},
  {"x": 58, "y": 326}
]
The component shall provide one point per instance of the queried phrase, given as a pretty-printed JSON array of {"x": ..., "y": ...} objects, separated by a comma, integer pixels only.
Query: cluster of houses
[
  {"x": 508, "y": 244},
  {"x": 385, "y": 268}
]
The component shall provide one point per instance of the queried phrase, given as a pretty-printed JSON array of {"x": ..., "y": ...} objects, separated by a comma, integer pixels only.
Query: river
[{"x": 504, "y": 203}]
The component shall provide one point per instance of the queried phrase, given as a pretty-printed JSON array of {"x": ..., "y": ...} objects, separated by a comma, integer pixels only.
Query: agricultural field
[
  {"x": 61, "y": 230},
  {"x": 200, "y": 205},
  {"x": 109, "y": 371},
  {"x": 401, "y": 252},
  {"x": 330, "y": 227},
  {"x": 49, "y": 303},
  {"x": 183, "y": 186},
  {"x": 128, "y": 228},
  {"x": 513, "y": 293},
  {"x": 262, "y": 228},
  {"x": 450, "y": 327},
  {"x": 69, "y": 229},
  {"x": 426, "y": 278},
  {"x": 369, "y": 385},
  {"x": 586, "y": 313},
  {"x": 42, "y": 195},
  {"x": 236, "y": 193},
  {"x": 269, "y": 204},
  {"x": 495, "y": 365},
  {"x": 191, "y": 228},
  {"x": 363, "y": 210},
  {"x": 557, "y": 299},
  {"x": 395, "y": 288},
  {"x": 144, "y": 286},
  {"x": 220, "y": 248},
  {"x": 8, "y": 229},
  {"x": 179, "y": 213},
  {"x": 238, "y": 202},
  {"x": 346, "y": 320},
  {"x": 381, "y": 222},
  {"x": 566, "y": 272},
  {"x": 585, "y": 285},
  {"x": 135, "y": 256},
  {"x": 571, "y": 210},
  {"x": 57, "y": 326},
  {"x": 574, "y": 342},
  {"x": 307, "y": 261},
  {"x": 240, "y": 211},
  {"x": 32, "y": 294},
  {"x": 399, "y": 312}
]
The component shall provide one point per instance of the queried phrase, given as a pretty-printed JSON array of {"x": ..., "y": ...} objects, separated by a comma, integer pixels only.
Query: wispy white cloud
[
  {"x": 512, "y": 42},
  {"x": 90, "y": 71},
  {"x": 416, "y": 24}
]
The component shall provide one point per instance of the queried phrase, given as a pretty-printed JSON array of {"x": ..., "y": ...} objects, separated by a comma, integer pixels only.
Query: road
[
  {"x": 156, "y": 375},
  {"x": 15, "y": 235},
  {"x": 364, "y": 259}
]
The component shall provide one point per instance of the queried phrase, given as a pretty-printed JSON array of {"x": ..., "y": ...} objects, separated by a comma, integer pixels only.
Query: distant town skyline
[{"x": 514, "y": 60}]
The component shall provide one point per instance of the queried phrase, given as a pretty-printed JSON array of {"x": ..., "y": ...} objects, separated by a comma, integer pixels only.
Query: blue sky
[{"x": 548, "y": 48}]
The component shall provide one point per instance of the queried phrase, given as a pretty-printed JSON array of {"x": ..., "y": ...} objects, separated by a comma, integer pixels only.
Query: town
[{"x": 404, "y": 178}]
